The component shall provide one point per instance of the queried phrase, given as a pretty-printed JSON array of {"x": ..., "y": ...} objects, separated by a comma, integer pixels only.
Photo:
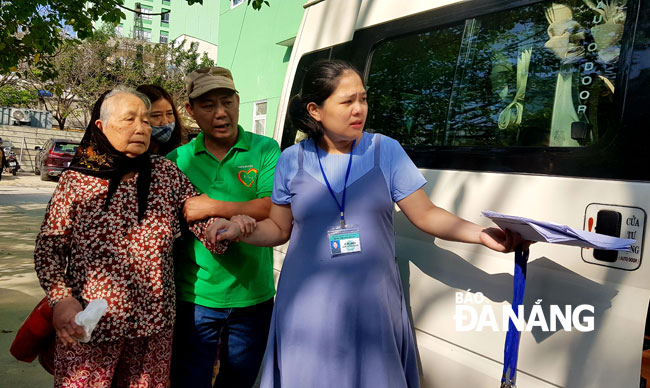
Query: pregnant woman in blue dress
[{"x": 340, "y": 319}]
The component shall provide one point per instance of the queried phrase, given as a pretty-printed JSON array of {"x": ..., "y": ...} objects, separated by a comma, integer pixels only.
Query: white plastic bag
[{"x": 90, "y": 316}]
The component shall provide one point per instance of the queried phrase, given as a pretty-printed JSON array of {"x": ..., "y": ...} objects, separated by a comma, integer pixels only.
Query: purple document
[{"x": 550, "y": 232}]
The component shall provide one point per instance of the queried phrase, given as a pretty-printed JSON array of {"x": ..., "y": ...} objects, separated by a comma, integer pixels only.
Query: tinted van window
[
  {"x": 541, "y": 75},
  {"x": 291, "y": 134}
]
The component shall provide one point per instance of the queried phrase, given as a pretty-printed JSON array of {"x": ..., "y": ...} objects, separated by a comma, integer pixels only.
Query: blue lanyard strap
[
  {"x": 345, "y": 185},
  {"x": 511, "y": 348}
]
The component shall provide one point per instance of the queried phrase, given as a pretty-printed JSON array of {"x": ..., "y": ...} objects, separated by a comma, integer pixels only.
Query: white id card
[{"x": 344, "y": 240}]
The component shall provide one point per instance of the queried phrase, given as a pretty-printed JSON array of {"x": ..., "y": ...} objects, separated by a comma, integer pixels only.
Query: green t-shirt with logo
[{"x": 243, "y": 276}]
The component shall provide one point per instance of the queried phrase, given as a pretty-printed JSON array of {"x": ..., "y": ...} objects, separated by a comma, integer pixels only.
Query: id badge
[{"x": 344, "y": 240}]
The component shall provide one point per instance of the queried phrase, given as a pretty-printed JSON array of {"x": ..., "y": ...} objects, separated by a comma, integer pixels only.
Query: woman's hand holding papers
[{"x": 503, "y": 241}]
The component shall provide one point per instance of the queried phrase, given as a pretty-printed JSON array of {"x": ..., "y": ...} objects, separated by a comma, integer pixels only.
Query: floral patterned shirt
[{"x": 89, "y": 253}]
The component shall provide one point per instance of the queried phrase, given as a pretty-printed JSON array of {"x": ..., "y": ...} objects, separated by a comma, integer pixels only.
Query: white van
[{"x": 524, "y": 107}]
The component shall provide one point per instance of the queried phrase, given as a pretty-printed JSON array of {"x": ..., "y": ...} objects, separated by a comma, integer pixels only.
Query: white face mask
[{"x": 162, "y": 133}]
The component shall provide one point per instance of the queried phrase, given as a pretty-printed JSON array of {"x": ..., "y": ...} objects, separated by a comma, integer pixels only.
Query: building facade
[
  {"x": 195, "y": 23},
  {"x": 254, "y": 45}
]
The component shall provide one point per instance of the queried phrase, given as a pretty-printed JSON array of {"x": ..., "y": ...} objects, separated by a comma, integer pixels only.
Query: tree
[
  {"x": 33, "y": 32},
  {"x": 80, "y": 76},
  {"x": 9, "y": 79},
  {"x": 101, "y": 62},
  {"x": 15, "y": 97},
  {"x": 257, "y": 4},
  {"x": 166, "y": 65}
]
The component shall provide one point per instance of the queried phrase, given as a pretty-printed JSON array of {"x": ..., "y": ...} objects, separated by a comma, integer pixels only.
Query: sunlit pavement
[{"x": 23, "y": 199}]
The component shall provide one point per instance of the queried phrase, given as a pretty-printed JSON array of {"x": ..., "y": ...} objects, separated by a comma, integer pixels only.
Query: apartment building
[{"x": 255, "y": 45}]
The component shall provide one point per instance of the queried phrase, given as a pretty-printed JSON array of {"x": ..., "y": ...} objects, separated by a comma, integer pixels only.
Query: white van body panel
[
  {"x": 608, "y": 356},
  {"x": 375, "y": 12},
  {"x": 434, "y": 271},
  {"x": 314, "y": 34}
]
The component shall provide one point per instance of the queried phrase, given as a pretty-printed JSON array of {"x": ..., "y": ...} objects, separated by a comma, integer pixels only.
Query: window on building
[
  {"x": 164, "y": 18},
  {"x": 164, "y": 37},
  {"x": 541, "y": 75},
  {"x": 166, "y": 2},
  {"x": 259, "y": 117},
  {"x": 144, "y": 34},
  {"x": 234, "y": 3},
  {"x": 146, "y": 13}
]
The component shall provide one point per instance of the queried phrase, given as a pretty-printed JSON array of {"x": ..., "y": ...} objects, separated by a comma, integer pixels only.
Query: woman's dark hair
[
  {"x": 320, "y": 81},
  {"x": 155, "y": 93}
]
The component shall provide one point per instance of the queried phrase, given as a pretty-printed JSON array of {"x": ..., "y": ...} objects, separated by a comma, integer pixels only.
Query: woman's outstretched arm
[
  {"x": 440, "y": 223},
  {"x": 270, "y": 232}
]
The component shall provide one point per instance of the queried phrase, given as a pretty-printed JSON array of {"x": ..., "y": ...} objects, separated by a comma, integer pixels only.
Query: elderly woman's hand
[
  {"x": 246, "y": 224},
  {"x": 63, "y": 320},
  {"x": 222, "y": 229},
  {"x": 503, "y": 241}
]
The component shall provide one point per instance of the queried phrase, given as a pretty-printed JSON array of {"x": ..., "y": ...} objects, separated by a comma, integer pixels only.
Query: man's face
[
  {"x": 128, "y": 128},
  {"x": 217, "y": 114}
]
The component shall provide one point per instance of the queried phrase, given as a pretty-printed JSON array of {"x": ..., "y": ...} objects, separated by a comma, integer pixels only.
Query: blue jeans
[{"x": 239, "y": 334}]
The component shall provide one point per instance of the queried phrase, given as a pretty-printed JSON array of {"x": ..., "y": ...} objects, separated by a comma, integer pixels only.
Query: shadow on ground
[{"x": 16, "y": 306}]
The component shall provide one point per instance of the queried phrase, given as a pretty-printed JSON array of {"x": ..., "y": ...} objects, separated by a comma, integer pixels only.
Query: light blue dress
[{"x": 342, "y": 321}]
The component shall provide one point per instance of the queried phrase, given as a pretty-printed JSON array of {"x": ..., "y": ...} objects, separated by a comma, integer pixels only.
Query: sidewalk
[
  {"x": 22, "y": 205},
  {"x": 25, "y": 180}
]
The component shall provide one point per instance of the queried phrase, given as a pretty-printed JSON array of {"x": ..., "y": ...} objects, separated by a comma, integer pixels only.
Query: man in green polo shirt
[{"x": 224, "y": 301}]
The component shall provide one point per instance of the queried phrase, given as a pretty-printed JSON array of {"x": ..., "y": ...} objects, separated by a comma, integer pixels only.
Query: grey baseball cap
[{"x": 204, "y": 80}]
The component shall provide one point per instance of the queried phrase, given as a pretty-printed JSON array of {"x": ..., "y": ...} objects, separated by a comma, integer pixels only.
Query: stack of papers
[{"x": 534, "y": 230}]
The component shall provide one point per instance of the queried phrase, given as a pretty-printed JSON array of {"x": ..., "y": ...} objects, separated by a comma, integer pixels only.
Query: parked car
[{"x": 54, "y": 156}]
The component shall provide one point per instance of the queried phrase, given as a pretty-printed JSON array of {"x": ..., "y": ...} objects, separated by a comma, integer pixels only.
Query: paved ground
[{"x": 22, "y": 205}]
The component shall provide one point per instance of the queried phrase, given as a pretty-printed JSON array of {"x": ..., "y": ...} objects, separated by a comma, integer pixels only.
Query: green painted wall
[
  {"x": 248, "y": 47},
  {"x": 199, "y": 21}
]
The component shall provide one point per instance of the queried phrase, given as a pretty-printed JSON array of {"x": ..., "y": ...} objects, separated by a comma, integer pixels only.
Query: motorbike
[{"x": 12, "y": 163}]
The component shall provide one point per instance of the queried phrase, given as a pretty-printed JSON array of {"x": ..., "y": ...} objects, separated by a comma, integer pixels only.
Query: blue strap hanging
[
  {"x": 341, "y": 205},
  {"x": 511, "y": 348}
]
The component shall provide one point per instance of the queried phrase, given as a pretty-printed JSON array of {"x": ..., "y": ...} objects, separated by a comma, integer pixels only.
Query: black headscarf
[{"x": 96, "y": 156}]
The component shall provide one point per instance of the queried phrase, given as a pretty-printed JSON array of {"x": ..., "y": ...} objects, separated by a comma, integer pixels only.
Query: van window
[
  {"x": 541, "y": 75},
  {"x": 291, "y": 135}
]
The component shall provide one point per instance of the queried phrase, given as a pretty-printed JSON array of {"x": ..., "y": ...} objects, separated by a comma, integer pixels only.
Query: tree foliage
[
  {"x": 101, "y": 62},
  {"x": 10, "y": 95},
  {"x": 33, "y": 32},
  {"x": 256, "y": 4}
]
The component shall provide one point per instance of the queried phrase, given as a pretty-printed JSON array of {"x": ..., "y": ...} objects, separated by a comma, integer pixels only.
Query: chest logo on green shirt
[{"x": 247, "y": 177}]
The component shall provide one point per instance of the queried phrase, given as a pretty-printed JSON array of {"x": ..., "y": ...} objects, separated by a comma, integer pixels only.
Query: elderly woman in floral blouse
[{"x": 108, "y": 234}]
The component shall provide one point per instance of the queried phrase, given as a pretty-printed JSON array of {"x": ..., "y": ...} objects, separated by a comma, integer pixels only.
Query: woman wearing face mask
[{"x": 165, "y": 123}]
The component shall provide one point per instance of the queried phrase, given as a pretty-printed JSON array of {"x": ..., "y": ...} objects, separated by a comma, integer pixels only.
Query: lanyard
[
  {"x": 345, "y": 185},
  {"x": 511, "y": 348}
]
